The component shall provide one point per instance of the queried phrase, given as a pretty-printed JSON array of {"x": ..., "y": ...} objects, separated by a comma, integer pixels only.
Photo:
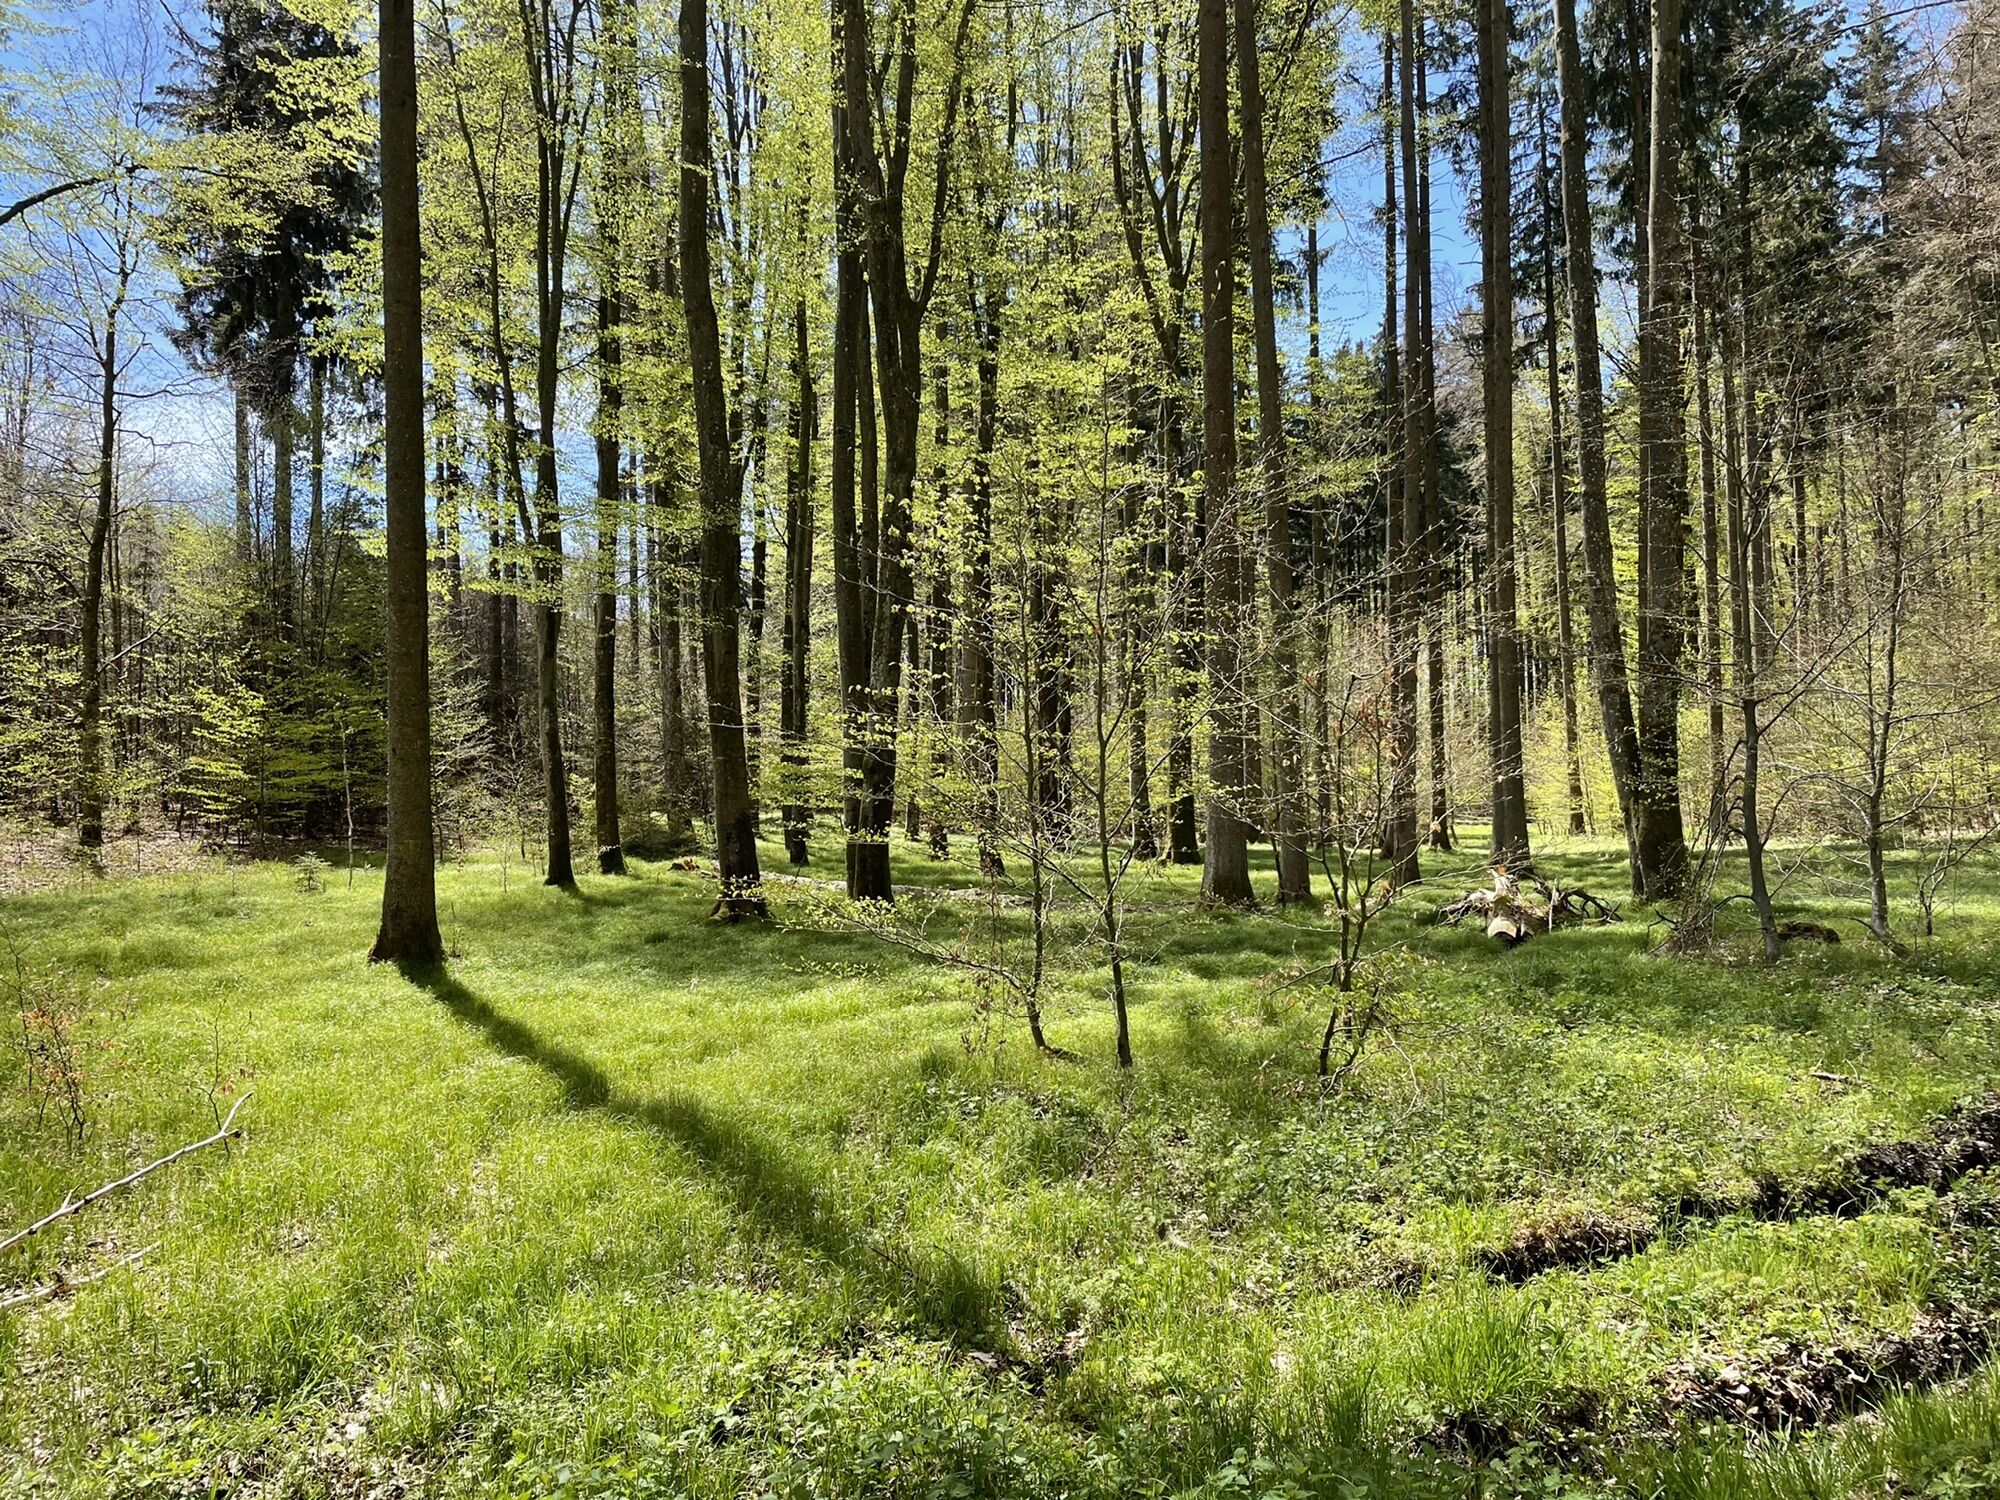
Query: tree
[
  {"x": 409, "y": 931},
  {"x": 1287, "y": 835},
  {"x": 721, "y": 494},
  {"x": 1605, "y": 632},
  {"x": 1225, "y": 875},
  {"x": 1510, "y": 805}
]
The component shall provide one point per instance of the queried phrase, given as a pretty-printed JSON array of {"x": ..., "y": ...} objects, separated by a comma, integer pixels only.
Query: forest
[{"x": 1021, "y": 748}]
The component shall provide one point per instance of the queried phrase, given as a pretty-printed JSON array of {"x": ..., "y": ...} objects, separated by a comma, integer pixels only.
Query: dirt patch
[
  {"x": 1964, "y": 1141},
  {"x": 1803, "y": 1385},
  {"x": 1562, "y": 1244}
]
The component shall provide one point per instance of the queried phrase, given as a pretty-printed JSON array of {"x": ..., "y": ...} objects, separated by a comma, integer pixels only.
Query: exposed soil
[
  {"x": 1963, "y": 1141},
  {"x": 1566, "y": 1243},
  {"x": 1804, "y": 1386}
]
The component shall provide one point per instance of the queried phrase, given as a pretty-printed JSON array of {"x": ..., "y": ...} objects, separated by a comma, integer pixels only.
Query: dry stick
[
  {"x": 63, "y": 1284},
  {"x": 78, "y": 1205}
]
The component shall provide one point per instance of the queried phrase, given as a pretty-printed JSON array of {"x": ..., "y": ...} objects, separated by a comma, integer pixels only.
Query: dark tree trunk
[
  {"x": 1288, "y": 706},
  {"x": 409, "y": 930},
  {"x": 721, "y": 493},
  {"x": 977, "y": 717},
  {"x": 1225, "y": 877},
  {"x": 316, "y": 602},
  {"x": 1405, "y": 565},
  {"x": 1606, "y": 634},
  {"x": 1510, "y": 803},
  {"x": 869, "y": 190},
  {"x": 1711, "y": 577},
  {"x": 1423, "y": 361},
  {"x": 90, "y": 725},
  {"x": 610, "y": 413},
  {"x": 1663, "y": 484},
  {"x": 1558, "y": 482},
  {"x": 1137, "y": 609},
  {"x": 246, "y": 520},
  {"x": 796, "y": 686},
  {"x": 284, "y": 435}
]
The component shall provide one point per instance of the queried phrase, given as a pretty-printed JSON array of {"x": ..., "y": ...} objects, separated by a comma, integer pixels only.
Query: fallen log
[
  {"x": 1512, "y": 915},
  {"x": 75, "y": 1206}
]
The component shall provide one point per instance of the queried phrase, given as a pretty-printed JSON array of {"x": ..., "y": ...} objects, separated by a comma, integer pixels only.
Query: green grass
[{"x": 630, "y": 1204}]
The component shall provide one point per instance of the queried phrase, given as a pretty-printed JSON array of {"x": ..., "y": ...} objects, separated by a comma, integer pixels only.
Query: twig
[
  {"x": 64, "y": 1283},
  {"x": 78, "y": 1205}
]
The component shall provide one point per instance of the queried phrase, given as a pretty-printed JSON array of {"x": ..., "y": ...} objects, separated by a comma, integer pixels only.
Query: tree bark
[
  {"x": 1406, "y": 521},
  {"x": 1287, "y": 713},
  {"x": 1606, "y": 633},
  {"x": 1442, "y": 835},
  {"x": 1559, "y": 493},
  {"x": 1225, "y": 875},
  {"x": 409, "y": 931},
  {"x": 90, "y": 726},
  {"x": 1663, "y": 484},
  {"x": 797, "y": 627},
  {"x": 1510, "y": 803},
  {"x": 610, "y": 414},
  {"x": 721, "y": 494}
]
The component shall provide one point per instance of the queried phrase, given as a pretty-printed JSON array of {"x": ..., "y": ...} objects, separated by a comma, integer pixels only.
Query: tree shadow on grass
[{"x": 937, "y": 1287}]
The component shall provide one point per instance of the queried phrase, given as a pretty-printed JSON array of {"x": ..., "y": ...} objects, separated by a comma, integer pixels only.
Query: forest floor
[{"x": 634, "y": 1205}]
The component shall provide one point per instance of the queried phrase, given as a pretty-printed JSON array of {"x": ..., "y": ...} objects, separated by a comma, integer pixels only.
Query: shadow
[{"x": 936, "y": 1287}]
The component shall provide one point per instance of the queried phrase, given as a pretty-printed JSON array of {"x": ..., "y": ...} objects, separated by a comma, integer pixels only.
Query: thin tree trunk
[
  {"x": 90, "y": 731},
  {"x": 1711, "y": 575},
  {"x": 610, "y": 413},
  {"x": 1442, "y": 834},
  {"x": 1559, "y": 491},
  {"x": 1510, "y": 804},
  {"x": 316, "y": 602},
  {"x": 246, "y": 520},
  {"x": 1406, "y": 516},
  {"x": 1226, "y": 870},
  {"x": 977, "y": 715},
  {"x": 794, "y": 691}
]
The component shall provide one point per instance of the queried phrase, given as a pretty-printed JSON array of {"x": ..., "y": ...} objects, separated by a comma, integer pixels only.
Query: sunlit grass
[{"x": 706, "y": 1210}]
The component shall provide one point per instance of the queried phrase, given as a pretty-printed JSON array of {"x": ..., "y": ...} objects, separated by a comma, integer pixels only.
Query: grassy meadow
[{"x": 627, "y": 1204}]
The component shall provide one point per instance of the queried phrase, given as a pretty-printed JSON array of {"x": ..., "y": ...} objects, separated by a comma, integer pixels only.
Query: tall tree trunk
[
  {"x": 246, "y": 520},
  {"x": 1606, "y": 633},
  {"x": 284, "y": 444},
  {"x": 1496, "y": 197},
  {"x": 1226, "y": 870},
  {"x": 409, "y": 930},
  {"x": 1287, "y": 712},
  {"x": 1423, "y": 368},
  {"x": 610, "y": 414},
  {"x": 1137, "y": 606},
  {"x": 1711, "y": 577},
  {"x": 977, "y": 717},
  {"x": 90, "y": 725},
  {"x": 1559, "y": 489},
  {"x": 794, "y": 691},
  {"x": 316, "y": 602},
  {"x": 1663, "y": 487},
  {"x": 1406, "y": 517},
  {"x": 721, "y": 494}
]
